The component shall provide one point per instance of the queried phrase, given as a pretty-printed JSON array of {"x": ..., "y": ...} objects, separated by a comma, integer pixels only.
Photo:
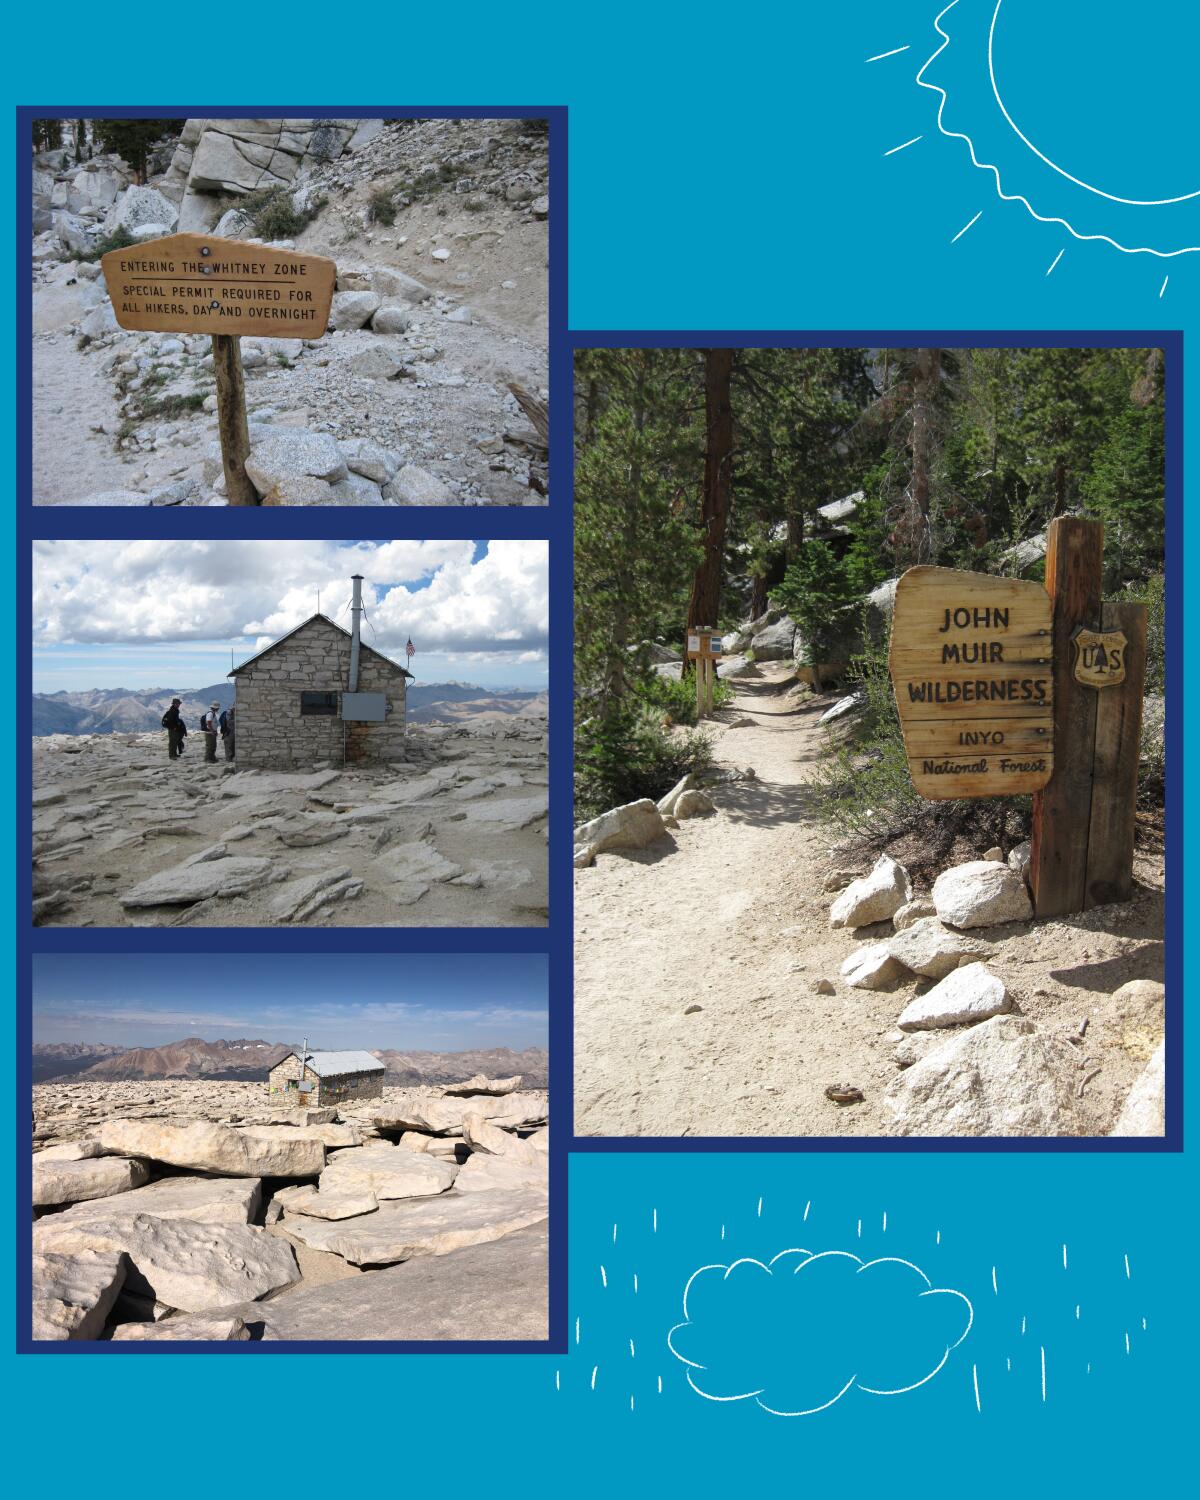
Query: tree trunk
[
  {"x": 925, "y": 380},
  {"x": 705, "y": 604}
]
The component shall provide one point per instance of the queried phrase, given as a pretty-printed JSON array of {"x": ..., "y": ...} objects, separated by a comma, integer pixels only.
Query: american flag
[{"x": 410, "y": 649}]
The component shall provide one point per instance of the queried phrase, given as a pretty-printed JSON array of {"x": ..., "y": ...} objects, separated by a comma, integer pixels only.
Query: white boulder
[
  {"x": 874, "y": 898},
  {"x": 980, "y": 894},
  {"x": 928, "y": 948},
  {"x": 967, "y": 994}
]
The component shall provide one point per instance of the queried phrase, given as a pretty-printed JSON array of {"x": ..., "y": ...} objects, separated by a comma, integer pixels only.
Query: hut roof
[
  {"x": 304, "y": 624},
  {"x": 328, "y": 1064}
]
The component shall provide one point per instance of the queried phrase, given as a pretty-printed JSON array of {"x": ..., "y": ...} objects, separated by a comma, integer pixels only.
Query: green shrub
[
  {"x": 629, "y": 757},
  {"x": 382, "y": 208},
  {"x": 677, "y": 699},
  {"x": 274, "y": 216},
  {"x": 119, "y": 239}
]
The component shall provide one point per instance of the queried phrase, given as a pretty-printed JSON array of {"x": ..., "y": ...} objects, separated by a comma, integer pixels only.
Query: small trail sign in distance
[
  {"x": 197, "y": 283},
  {"x": 973, "y": 672}
]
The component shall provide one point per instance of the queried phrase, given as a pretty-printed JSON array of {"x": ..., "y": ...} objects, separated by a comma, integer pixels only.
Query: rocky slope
[
  {"x": 408, "y": 399},
  {"x": 193, "y": 1211},
  {"x": 455, "y": 835}
]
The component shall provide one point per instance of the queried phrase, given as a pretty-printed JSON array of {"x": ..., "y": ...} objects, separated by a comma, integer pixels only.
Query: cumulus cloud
[
  {"x": 436, "y": 592},
  {"x": 797, "y": 1334}
]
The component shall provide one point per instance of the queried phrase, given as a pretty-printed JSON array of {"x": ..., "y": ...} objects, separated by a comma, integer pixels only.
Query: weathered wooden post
[
  {"x": 1004, "y": 686},
  {"x": 232, "y": 424},
  {"x": 1083, "y": 821},
  {"x": 195, "y": 283}
]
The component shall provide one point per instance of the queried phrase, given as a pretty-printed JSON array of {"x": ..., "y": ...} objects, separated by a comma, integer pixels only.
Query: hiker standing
[
  {"x": 211, "y": 724},
  {"x": 175, "y": 728},
  {"x": 227, "y": 733}
]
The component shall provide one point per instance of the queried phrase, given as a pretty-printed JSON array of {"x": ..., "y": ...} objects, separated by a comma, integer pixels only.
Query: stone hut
[
  {"x": 324, "y": 1078},
  {"x": 295, "y": 705}
]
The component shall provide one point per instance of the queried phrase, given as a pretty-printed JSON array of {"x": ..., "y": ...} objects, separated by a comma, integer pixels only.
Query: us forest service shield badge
[{"x": 1099, "y": 657}]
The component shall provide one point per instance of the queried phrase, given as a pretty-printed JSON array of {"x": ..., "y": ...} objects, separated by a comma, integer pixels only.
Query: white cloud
[{"x": 108, "y": 592}]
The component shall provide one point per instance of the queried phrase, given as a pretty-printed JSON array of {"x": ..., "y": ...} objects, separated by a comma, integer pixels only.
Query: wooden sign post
[
  {"x": 1083, "y": 821},
  {"x": 195, "y": 283},
  {"x": 1004, "y": 687},
  {"x": 704, "y": 648}
]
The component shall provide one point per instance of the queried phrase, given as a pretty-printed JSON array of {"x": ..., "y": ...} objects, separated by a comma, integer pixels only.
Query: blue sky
[
  {"x": 422, "y": 1002},
  {"x": 177, "y": 614}
]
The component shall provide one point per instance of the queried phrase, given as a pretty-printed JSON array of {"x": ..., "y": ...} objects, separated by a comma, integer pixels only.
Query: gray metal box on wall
[{"x": 364, "y": 708}]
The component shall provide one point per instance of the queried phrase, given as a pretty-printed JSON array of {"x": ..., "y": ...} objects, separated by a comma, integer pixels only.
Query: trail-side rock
[
  {"x": 874, "y": 898},
  {"x": 980, "y": 894},
  {"x": 330, "y": 1204},
  {"x": 192, "y": 1267},
  {"x": 76, "y": 1181},
  {"x": 774, "y": 642},
  {"x": 487, "y": 1291},
  {"x": 394, "y": 286},
  {"x": 484, "y": 1173},
  {"x": 446, "y": 1116},
  {"x": 424, "y": 1226},
  {"x": 871, "y": 967},
  {"x": 412, "y": 868},
  {"x": 1134, "y": 1017},
  {"x": 368, "y": 459},
  {"x": 185, "y": 884},
  {"x": 481, "y": 1135},
  {"x": 73, "y": 1293},
  {"x": 1001, "y": 1078},
  {"x": 967, "y": 994},
  {"x": 211, "y": 1330},
  {"x": 393, "y": 317},
  {"x": 375, "y": 362},
  {"x": 693, "y": 804},
  {"x": 412, "y": 485},
  {"x": 387, "y": 1171},
  {"x": 913, "y": 911},
  {"x": 1019, "y": 858},
  {"x": 140, "y": 205},
  {"x": 299, "y": 900},
  {"x": 1144, "y": 1112},
  {"x": 202, "y": 1200},
  {"x": 352, "y": 309},
  {"x": 633, "y": 825},
  {"x": 69, "y": 1151},
  {"x": 915, "y": 1046},
  {"x": 928, "y": 948},
  {"x": 206, "y": 1147},
  {"x": 480, "y": 1084},
  {"x": 289, "y": 453},
  {"x": 666, "y": 805}
]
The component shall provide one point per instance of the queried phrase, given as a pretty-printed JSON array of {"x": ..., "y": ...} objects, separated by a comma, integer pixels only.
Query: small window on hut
[{"x": 319, "y": 703}]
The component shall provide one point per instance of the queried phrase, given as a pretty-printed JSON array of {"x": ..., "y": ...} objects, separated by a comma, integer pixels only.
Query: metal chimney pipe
[{"x": 356, "y": 611}]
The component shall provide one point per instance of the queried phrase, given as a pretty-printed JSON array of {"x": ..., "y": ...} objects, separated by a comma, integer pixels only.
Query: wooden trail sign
[
  {"x": 1004, "y": 686},
  {"x": 972, "y": 670},
  {"x": 704, "y": 647},
  {"x": 196, "y": 283}
]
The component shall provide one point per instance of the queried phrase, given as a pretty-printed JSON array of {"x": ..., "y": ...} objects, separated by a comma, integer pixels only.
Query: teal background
[{"x": 727, "y": 170}]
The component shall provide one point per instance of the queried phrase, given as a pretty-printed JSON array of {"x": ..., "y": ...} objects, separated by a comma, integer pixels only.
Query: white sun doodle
[{"x": 967, "y": 73}]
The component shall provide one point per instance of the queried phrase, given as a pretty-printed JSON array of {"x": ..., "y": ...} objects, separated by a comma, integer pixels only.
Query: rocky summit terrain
[
  {"x": 455, "y": 835},
  {"x": 430, "y": 385},
  {"x": 187, "y": 1210}
]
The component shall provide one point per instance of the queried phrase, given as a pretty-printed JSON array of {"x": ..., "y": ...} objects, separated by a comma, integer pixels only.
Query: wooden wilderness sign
[
  {"x": 196, "y": 283},
  {"x": 200, "y": 283},
  {"x": 972, "y": 669}
]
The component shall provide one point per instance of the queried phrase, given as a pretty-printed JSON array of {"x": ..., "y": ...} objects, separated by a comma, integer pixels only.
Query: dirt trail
[
  {"x": 70, "y": 397},
  {"x": 728, "y": 913}
]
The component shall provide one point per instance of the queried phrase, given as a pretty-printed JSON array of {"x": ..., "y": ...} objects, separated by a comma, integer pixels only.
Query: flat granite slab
[{"x": 493, "y": 1291}]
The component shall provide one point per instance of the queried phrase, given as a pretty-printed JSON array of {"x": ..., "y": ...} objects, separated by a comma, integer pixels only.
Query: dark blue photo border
[
  {"x": 1171, "y": 343},
  {"x": 550, "y": 523}
]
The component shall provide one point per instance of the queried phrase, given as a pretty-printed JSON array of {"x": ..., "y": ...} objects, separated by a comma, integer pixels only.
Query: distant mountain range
[
  {"x": 139, "y": 710},
  {"x": 250, "y": 1060}
]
